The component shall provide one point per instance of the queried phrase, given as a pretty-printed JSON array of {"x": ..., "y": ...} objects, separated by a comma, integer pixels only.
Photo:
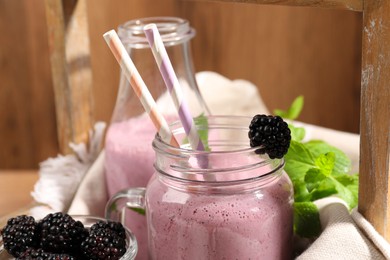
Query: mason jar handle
[{"x": 133, "y": 198}]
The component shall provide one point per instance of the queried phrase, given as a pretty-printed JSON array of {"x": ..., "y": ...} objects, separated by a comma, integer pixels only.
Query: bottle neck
[
  {"x": 176, "y": 34},
  {"x": 173, "y": 31}
]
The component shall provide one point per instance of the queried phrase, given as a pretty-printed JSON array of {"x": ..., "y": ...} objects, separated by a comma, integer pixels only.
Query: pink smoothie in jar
[{"x": 238, "y": 207}]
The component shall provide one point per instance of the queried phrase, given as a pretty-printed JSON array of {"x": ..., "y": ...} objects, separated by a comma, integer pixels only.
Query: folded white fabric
[
  {"x": 59, "y": 177},
  {"x": 342, "y": 239},
  {"x": 91, "y": 196}
]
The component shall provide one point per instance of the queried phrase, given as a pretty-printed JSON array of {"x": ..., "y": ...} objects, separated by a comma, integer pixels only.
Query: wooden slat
[
  {"x": 285, "y": 52},
  {"x": 374, "y": 188},
  {"x": 71, "y": 69},
  {"x": 353, "y": 5},
  {"x": 16, "y": 143}
]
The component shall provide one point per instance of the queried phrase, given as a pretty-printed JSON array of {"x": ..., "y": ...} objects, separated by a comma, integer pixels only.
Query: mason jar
[{"x": 224, "y": 203}]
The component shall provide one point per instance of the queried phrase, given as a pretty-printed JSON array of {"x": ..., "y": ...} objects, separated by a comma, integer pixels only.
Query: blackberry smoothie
[
  {"x": 239, "y": 207},
  {"x": 229, "y": 202},
  {"x": 253, "y": 225}
]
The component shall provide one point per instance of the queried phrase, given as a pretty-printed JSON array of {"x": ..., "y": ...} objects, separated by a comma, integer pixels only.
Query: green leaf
[
  {"x": 313, "y": 178},
  {"x": 301, "y": 193},
  {"x": 317, "y": 170},
  {"x": 347, "y": 179},
  {"x": 297, "y": 133},
  {"x": 306, "y": 219},
  {"x": 342, "y": 162},
  {"x": 325, "y": 162},
  {"x": 347, "y": 189},
  {"x": 324, "y": 189},
  {"x": 294, "y": 110},
  {"x": 298, "y": 161},
  {"x": 351, "y": 182},
  {"x": 138, "y": 210},
  {"x": 202, "y": 126}
]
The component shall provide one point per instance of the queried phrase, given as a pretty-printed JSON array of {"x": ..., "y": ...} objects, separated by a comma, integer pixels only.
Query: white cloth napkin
[{"x": 344, "y": 236}]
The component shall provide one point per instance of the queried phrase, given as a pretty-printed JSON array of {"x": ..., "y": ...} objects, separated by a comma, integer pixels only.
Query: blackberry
[
  {"x": 20, "y": 233},
  {"x": 103, "y": 244},
  {"x": 115, "y": 227},
  {"x": 33, "y": 253},
  {"x": 40, "y": 254},
  {"x": 271, "y": 133},
  {"x": 60, "y": 233},
  {"x": 61, "y": 257}
]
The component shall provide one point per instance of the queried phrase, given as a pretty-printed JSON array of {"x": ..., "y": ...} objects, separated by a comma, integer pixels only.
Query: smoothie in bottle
[{"x": 129, "y": 155}]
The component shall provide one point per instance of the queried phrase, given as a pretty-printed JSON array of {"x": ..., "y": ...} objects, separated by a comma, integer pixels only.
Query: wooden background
[{"x": 285, "y": 51}]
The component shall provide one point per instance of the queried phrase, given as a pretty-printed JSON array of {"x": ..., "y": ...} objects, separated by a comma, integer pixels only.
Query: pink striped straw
[
  {"x": 164, "y": 64},
  {"x": 139, "y": 87}
]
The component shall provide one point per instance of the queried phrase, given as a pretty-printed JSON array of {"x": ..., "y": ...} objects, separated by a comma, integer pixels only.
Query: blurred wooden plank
[
  {"x": 15, "y": 124},
  {"x": 27, "y": 130},
  {"x": 71, "y": 69},
  {"x": 353, "y": 5},
  {"x": 42, "y": 114},
  {"x": 374, "y": 185},
  {"x": 285, "y": 52}
]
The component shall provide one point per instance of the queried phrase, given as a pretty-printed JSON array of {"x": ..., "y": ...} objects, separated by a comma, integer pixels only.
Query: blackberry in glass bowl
[{"x": 63, "y": 237}]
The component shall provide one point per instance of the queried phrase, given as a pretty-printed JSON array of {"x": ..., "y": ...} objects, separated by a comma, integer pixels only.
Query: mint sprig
[
  {"x": 317, "y": 170},
  {"x": 306, "y": 219},
  {"x": 294, "y": 110},
  {"x": 201, "y": 124}
]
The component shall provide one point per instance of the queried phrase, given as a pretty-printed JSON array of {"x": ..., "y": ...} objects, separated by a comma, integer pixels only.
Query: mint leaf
[
  {"x": 306, "y": 219},
  {"x": 326, "y": 162},
  {"x": 313, "y": 178},
  {"x": 138, "y": 210},
  {"x": 202, "y": 126},
  {"x": 294, "y": 110},
  {"x": 324, "y": 189},
  {"x": 297, "y": 133},
  {"x": 348, "y": 180},
  {"x": 347, "y": 188},
  {"x": 342, "y": 162},
  {"x": 298, "y": 161},
  {"x": 114, "y": 207},
  {"x": 317, "y": 170},
  {"x": 301, "y": 193}
]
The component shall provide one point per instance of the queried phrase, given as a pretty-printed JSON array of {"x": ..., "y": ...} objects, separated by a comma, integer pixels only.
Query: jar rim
[
  {"x": 173, "y": 31},
  {"x": 187, "y": 163},
  {"x": 159, "y": 141}
]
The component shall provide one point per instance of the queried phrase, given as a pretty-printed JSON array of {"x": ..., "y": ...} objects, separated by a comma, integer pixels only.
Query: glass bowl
[{"x": 88, "y": 221}]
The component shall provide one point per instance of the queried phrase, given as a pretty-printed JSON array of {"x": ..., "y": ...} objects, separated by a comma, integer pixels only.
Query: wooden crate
[{"x": 74, "y": 121}]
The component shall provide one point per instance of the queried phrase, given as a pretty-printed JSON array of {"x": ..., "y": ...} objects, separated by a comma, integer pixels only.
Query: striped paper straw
[
  {"x": 139, "y": 87},
  {"x": 164, "y": 64}
]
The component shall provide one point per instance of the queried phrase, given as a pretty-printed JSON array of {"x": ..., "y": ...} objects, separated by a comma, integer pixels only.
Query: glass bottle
[{"x": 129, "y": 155}]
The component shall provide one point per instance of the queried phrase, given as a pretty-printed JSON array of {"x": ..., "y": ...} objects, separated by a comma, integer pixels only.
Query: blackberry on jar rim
[{"x": 271, "y": 134}]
